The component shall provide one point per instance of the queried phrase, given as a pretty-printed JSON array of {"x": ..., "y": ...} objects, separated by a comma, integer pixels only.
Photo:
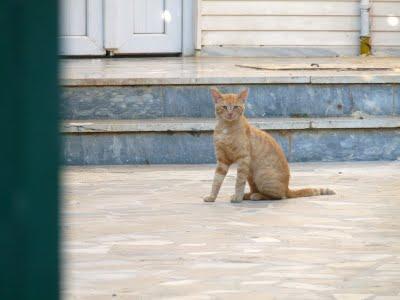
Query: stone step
[
  {"x": 194, "y": 101},
  {"x": 188, "y": 141},
  {"x": 200, "y": 124},
  {"x": 159, "y": 110}
]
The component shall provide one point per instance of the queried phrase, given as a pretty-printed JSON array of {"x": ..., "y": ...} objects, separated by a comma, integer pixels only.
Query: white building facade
[{"x": 228, "y": 27}]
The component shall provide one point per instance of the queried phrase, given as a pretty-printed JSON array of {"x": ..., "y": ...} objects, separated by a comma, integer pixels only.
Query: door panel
[
  {"x": 73, "y": 17},
  {"x": 143, "y": 26},
  {"x": 81, "y": 27},
  {"x": 148, "y": 16}
]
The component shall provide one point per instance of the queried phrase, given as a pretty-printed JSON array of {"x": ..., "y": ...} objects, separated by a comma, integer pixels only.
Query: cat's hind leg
[
  {"x": 246, "y": 196},
  {"x": 273, "y": 188},
  {"x": 259, "y": 196},
  {"x": 253, "y": 188}
]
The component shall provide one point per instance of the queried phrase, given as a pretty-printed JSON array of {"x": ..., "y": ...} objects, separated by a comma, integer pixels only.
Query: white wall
[
  {"x": 386, "y": 27},
  {"x": 292, "y": 27}
]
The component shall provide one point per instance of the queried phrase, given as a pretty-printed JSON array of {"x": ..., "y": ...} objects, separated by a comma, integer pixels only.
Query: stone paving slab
[
  {"x": 143, "y": 232},
  {"x": 225, "y": 70}
]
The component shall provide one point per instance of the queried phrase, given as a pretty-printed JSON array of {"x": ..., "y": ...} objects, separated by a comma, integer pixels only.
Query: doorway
[{"x": 93, "y": 27}]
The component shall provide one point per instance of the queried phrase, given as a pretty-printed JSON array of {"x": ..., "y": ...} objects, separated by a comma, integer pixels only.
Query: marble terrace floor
[
  {"x": 134, "y": 232},
  {"x": 227, "y": 70}
]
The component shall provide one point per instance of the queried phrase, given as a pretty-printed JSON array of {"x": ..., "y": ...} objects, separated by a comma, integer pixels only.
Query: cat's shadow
[{"x": 251, "y": 204}]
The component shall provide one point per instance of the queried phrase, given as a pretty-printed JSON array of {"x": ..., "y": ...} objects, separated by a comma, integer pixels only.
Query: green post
[{"x": 29, "y": 222}]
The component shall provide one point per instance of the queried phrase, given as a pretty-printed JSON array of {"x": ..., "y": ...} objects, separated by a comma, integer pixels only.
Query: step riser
[
  {"x": 286, "y": 100},
  {"x": 194, "y": 148}
]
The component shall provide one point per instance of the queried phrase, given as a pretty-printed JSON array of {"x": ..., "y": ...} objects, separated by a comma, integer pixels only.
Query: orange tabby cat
[{"x": 261, "y": 161}]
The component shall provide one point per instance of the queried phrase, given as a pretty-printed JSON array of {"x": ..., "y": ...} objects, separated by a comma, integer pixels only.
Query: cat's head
[{"x": 229, "y": 107}]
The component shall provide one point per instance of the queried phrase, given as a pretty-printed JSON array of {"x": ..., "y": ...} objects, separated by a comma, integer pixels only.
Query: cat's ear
[
  {"x": 216, "y": 95},
  {"x": 243, "y": 95}
]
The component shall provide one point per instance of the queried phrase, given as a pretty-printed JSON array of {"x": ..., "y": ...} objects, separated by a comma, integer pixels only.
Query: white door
[
  {"x": 143, "y": 26},
  {"x": 81, "y": 27}
]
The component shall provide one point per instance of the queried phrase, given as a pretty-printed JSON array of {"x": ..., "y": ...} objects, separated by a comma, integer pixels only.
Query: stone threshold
[
  {"x": 202, "y": 124},
  {"x": 272, "y": 79},
  {"x": 228, "y": 70}
]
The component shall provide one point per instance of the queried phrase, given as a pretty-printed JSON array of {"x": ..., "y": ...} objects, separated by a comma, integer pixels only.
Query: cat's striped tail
[{"x": 309, "y": 192}]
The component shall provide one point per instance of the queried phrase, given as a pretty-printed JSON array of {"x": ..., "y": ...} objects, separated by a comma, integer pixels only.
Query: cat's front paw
[
  {"x": 236, "y": 199},
  {"x": 209, "y": 199}
]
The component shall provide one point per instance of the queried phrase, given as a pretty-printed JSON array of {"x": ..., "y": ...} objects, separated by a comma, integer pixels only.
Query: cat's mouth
[{"x": 230, "y": 118}]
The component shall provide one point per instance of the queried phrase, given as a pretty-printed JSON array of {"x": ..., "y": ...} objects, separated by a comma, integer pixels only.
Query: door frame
[{"x": 190, "y": 23}]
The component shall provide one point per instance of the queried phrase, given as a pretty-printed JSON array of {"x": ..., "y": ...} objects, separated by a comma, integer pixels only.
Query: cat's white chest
[
  {"x": 224, "y": 137},
  {"x": 223, "y": 134}
]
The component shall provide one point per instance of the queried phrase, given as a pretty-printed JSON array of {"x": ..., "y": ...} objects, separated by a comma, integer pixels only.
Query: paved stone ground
[{"x": 144, "y": 233}]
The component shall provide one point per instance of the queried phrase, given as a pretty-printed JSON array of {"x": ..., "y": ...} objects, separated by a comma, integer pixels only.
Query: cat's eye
[
  {"x": 235, "y": 107},
  {"x": 225, "y": 107}
]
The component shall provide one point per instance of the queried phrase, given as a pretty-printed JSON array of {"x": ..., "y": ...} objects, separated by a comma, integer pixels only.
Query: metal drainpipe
[{"x": 365, "y": 34}]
